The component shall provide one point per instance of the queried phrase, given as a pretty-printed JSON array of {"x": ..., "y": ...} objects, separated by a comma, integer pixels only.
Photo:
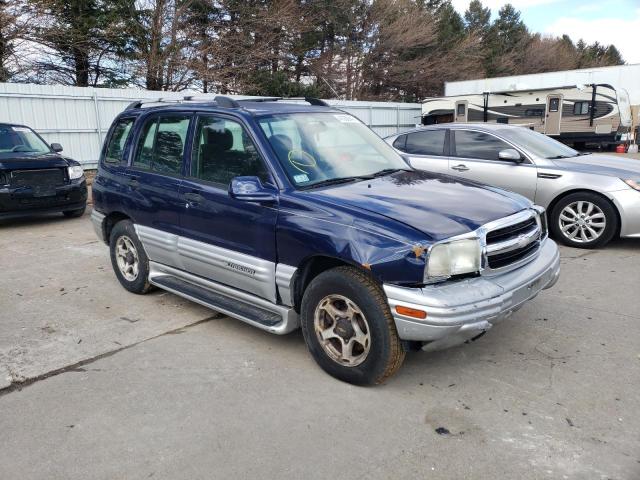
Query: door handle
[
  {"x": 460, "y": 168},
  {"x": 134, "y": 183}
]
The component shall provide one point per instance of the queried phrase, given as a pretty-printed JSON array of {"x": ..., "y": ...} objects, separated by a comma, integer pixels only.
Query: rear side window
[
  {"x": 470, "y": 144},
  {"x": 428, "y": 142},
  {"x": 161, "y": 144},
  {"x": 400, "y": 142},
  {"x": 118, "y": 140}
]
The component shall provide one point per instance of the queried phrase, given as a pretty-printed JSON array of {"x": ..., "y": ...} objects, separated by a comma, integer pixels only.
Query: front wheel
[
  {"x": 348, "y": 327},
  {"x": 584, "y": 220}
]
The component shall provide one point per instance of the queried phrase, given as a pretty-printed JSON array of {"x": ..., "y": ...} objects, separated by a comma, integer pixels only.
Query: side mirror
[
  {"x": 56, "y": 147},
  {"x": 510, "y": 155},
  {"x": 250, "y": 189}
]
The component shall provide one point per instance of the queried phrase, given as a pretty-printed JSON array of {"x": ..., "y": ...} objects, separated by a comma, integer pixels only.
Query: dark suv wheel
[
  {"x": 584, "y": 220},
  {"x": 128, "y": 258},
  {"x": 348, "y": 327}
]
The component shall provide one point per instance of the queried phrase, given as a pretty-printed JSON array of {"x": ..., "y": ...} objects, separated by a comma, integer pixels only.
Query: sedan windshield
[
  {"x": 328, "y": 148},
  {"x": 21, "y": 140},
  {"x": 536, "y": 143}
]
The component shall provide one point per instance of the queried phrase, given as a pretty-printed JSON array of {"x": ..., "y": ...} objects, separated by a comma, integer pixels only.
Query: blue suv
[{"x": 286, "y": 215}]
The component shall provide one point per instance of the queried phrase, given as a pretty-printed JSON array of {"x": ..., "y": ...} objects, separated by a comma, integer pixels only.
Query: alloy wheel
[
  {"x": 582, "y": 221},
  {"x": 127, "y": 258},
  {"x": 342, "y": 330}
]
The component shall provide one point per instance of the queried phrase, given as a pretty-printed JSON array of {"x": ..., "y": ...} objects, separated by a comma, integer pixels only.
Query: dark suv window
[
  {"x": 118, "y": 140},
  {"x": 472, "y": 144},
  {"x": 161, "y": 145},
  {"x": 428, "y": 142},
  {"x": 223, "y": 150}
]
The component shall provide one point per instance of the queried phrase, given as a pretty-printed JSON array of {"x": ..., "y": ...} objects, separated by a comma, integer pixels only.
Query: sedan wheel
[{"x": 583, "y": 220}]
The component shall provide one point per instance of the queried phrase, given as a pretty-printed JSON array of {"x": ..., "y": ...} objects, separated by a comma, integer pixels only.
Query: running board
[{"x": 243, "y": 306}]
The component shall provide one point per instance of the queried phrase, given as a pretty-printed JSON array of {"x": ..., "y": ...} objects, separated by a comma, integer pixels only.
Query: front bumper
[
  {"x": 628, "y": 203},
  {"x": 462, "y": 310},
  {"x": 16, "y": 202}
]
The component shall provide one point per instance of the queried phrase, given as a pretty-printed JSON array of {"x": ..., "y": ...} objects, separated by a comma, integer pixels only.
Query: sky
[{"x": 606, "y": 21}]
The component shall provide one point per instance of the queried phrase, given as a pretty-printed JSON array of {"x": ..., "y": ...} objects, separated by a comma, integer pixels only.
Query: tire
[
  {"x": 74, "y": 213},
  {"x": 371, "y": 361},
  {"x": 128, "y": 258},
  {"x": 592, "y": 213}
]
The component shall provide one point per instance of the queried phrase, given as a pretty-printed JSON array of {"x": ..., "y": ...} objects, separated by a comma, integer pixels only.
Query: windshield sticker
[
  {"x": 345, "y": 118},
  {"x": 301, "y": 178},
  {"x": 21, "y": 129}
]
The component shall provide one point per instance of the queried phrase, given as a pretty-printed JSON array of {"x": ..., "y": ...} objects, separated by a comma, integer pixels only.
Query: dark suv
[
  {"x": 284, "y": 215},
  {"x": 35, "y": 178}
]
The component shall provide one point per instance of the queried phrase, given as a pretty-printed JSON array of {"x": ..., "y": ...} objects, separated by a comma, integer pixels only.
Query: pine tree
[{"x": 477, "y": 17}]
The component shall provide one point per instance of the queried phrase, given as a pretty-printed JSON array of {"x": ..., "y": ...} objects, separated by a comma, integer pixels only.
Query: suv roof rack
[
  {"x": 224, "y": 101},
  {"x": 220, "y": 100},
  {"x": 310, "y": 100}
]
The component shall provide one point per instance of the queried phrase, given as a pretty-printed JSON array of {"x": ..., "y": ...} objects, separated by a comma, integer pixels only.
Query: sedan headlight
[
  {"x": 75, "y": 172},
  {"x": 453, "y": 258},
  {"x": 635, "y": 184}
]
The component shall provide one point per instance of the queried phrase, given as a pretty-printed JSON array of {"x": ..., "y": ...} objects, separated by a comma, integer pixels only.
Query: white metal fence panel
[{"x": 78, "y": 118}]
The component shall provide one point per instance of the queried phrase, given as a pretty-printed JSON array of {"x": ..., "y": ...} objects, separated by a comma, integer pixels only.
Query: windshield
[
  {"x": 324, "y": 148},
  {"x": 21, "y": 140},
  {"x": 538, "y": 144}
]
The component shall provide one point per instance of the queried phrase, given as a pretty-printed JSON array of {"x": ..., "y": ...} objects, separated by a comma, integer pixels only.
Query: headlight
[
  {"x": 452, "y": 258},
  {"x": 635, "y": 184},
  {"x": 75, "y": 172}
]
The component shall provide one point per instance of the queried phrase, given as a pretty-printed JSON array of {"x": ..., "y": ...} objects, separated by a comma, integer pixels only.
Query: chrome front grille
[{"x": 512, "y": 241}]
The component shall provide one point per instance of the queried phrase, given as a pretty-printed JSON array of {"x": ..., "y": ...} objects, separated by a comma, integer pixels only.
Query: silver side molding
[{"x": 284, "y": 278}]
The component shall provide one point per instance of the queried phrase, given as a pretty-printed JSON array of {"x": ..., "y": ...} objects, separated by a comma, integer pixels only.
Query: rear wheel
[
  {"x": 584, "y": 220},
  {"x": 128, "y": 258},
  {"x": 348, "y": 327}
]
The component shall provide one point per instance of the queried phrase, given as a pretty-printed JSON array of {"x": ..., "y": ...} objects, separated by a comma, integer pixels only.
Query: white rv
[{"x": 575, "y": 115}]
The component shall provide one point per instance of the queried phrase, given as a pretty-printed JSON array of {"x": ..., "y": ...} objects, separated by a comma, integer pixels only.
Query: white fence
[{"x": 78, "y": 118}]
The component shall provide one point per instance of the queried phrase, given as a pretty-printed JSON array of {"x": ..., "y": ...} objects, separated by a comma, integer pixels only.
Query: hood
[
  {"x": 439, "y": 206},
  {"x": 602, "y": 165},
  {"x": 27, "y": 162}
]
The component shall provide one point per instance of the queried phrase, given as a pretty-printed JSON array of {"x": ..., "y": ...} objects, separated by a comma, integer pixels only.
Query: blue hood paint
[{"x": 437, "y": 206}]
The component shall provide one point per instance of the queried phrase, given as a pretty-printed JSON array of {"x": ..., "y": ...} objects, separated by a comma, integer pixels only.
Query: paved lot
[{"x": 154, "y": 387}]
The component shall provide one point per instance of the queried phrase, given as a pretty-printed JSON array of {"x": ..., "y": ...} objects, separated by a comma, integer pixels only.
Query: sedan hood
[
  {"x": 602, "y": 165},
  {"x": 439, "y": 206},
  {"x": 27, "y": 162}
]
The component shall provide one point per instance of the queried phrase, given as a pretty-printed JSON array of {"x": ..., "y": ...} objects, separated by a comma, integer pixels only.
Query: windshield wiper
[
  {"x": 331, "y": 181},
  {"x": 583, "y": 153},
  {"x": 388, "y": 171},
  {"x": 558, "y": 157}
]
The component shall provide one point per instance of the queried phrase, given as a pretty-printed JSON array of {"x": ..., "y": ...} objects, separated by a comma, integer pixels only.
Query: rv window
[
  {"x": 534, "y": 112},
  {"x": 581, "y": 108},
  {"x": 427, "y": 142},
  {"x": 461, "y": 107},
  {"x": 470, "y": 144},
  {"x": 554, "y": 104}
]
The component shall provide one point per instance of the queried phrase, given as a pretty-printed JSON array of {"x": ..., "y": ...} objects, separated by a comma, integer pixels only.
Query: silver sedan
[{"x": 590, "y": 198}]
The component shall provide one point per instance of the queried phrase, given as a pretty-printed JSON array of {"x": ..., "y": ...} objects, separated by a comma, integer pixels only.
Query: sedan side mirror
[
  {"x": 250, "y": 189},
  {"x": 56, "y": 147},
  {"x": 510, "y": 155}
]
